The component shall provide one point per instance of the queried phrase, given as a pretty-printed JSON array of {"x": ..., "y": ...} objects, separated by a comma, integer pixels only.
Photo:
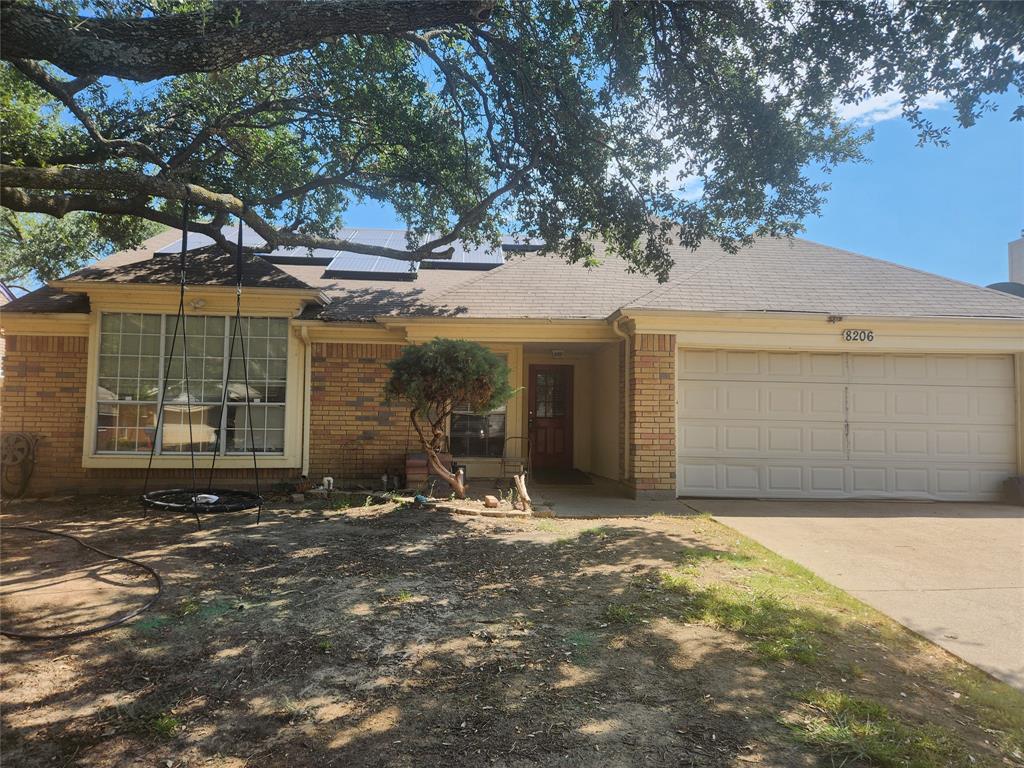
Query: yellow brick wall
[
  {"x": 651, "y": 415},
  {"x": 353, "y": 434},
  {"x": 43, "y": 393}
]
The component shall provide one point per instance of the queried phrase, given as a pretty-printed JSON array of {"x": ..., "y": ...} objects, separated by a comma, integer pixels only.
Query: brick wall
[
  {"x": 651, "y": 415},
  {"x": 44, "y": 393},
  {"x": 353, "y": 434}
]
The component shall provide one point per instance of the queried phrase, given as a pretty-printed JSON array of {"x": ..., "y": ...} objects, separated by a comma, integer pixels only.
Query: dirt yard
[{"x": 385, "y": 636}]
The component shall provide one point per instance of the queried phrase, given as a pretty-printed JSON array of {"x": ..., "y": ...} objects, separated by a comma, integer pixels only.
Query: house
[{"x": 788, "y": 369}]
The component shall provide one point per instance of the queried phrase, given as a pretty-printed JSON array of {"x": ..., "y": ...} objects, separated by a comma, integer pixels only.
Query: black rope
[
  {"x": 184, "y": 353},
  {"x": 91, "y": 630},
  {"x": 178, "y": 322},
  {"x": 236, "y": 333},
  {"x": 245, "y": 368}
]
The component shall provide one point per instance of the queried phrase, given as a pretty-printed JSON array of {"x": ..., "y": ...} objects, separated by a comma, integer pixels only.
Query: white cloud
[{"x": 884, "y": 106}]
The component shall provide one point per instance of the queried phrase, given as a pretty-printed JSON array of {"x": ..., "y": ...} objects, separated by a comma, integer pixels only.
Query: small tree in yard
[{"x": 435, "y": 377}]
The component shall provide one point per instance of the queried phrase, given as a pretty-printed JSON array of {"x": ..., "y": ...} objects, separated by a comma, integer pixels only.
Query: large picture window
[
  {"x": 475, "y": 435},
  {"x": 135, "y": 352}
]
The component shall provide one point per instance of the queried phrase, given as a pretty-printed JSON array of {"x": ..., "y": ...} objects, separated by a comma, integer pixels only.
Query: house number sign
[{"x": 858, "y": 334}]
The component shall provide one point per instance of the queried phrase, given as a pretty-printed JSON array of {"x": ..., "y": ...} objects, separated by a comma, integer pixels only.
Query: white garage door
[{"x": 779, "y": 424}]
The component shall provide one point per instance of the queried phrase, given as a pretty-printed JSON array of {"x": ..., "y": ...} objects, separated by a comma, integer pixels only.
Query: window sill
[{"x": 125, "y": 461}]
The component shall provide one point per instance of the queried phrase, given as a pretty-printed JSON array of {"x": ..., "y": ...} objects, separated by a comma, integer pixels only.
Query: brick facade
[
  {"x": 353, "y": 434},
  {"x": 651, "y": 413},
  {"x": 44, "y": 393}
]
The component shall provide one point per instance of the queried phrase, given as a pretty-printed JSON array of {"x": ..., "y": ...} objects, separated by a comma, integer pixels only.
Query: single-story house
[{"x": 788, "y": 369}]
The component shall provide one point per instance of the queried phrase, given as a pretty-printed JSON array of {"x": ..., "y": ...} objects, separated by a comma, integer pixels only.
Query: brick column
[{"x": 651, "y": 414}]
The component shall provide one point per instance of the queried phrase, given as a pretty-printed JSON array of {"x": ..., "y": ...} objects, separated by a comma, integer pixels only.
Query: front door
[{"x": 551, "y": 416}]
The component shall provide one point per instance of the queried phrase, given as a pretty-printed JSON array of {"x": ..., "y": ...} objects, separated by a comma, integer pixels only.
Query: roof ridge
[{"x": 905, "y": 268}]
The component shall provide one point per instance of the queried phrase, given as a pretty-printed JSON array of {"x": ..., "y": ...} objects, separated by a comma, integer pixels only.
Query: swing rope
[
  {"x": 179, "y": 322},
  {"x": 236, "y": 332},
  {"x": 189, "y": 500}
]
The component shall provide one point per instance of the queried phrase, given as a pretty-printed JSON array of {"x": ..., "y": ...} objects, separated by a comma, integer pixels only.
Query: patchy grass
[
  {"x": 860, "y": 731},
  {"x": 393, "y": 636},
  {"x": 621, "y": 614}
]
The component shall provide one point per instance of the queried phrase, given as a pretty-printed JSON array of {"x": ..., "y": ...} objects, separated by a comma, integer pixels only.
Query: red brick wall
[
  {"x": 44, "y": 393},
  {"x": 651, "y": 415},
  {"x": 353, "y": 434}
]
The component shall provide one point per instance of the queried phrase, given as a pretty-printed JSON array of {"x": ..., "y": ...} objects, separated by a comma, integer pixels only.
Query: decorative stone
[
  {"x": 491, "y": 502},
  {"x": 298, "y": 498}
]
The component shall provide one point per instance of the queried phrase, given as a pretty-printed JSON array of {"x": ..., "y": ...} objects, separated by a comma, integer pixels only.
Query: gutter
[
  {"x": 307, "y": 367},
  {"x": 625, "y": 395}
]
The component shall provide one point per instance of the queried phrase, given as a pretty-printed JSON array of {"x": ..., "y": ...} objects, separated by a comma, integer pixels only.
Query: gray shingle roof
[
  {"x": 779, "y": 275},
  {"x": 47, "y": 299},
  {"x": 772, "y": 275},
  {"x": 213, "y": 268}
]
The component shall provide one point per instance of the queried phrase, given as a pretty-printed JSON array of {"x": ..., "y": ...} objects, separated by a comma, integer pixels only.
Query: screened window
[
  {"x": 477, "y": 435},
  {"x": 135, "y": 352}
]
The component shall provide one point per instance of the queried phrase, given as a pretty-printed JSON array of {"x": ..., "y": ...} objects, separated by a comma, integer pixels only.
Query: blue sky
[{"x": 945, "y": 210}]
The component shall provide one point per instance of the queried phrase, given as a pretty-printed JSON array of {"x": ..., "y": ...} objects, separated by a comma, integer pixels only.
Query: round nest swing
[
  {"x": 207, "y": 502},
  {"x": 191, "y": 500}
]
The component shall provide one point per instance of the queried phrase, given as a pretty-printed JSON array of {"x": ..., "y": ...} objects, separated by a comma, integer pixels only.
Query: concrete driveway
[{"x": 949, "y": 571}]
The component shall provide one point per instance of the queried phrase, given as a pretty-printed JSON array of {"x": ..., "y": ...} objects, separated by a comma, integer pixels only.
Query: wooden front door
[{"x": 551, "y": 416}]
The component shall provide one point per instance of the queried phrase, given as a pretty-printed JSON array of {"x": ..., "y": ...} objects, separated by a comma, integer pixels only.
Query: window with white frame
[
  {"x": 136, "y": 350},
  {"x": 475, "y": 435}
]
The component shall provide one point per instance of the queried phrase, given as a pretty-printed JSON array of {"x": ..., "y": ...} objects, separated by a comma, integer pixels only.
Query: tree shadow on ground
[{"x": 388, "y": 636}]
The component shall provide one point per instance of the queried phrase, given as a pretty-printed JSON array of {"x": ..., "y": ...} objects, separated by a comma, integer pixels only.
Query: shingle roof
[
  {"x": 47, "y": 299},
  {"x": 779, "y": 275},
  {"x": 212, "y": 268},
  {"x": 772, "y": 275}
]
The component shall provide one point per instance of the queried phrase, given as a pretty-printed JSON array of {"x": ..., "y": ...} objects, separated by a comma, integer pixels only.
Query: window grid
[{"x": 128, "y": 394}]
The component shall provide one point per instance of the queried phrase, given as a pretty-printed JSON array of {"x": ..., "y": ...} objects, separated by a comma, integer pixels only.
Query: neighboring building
[{"x": 788, "y": 369}]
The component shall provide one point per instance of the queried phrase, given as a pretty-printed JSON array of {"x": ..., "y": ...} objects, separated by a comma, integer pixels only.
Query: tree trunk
[{"x": 454, "y": 479}]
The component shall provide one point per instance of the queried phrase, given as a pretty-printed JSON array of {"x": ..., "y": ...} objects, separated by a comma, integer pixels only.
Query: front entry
[{"x": 550, "y": 416}]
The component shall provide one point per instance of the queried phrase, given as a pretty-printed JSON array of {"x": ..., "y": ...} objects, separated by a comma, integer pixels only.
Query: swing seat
[{"x": 213, "y": 501}]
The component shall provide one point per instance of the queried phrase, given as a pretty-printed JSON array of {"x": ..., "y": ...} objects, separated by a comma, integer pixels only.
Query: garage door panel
[
  {"x": 782, "y": 424},
  {"x": 934, "y": 404},
  {"x": 721, "y": 365},
  {"x": 754, "y": 440}
]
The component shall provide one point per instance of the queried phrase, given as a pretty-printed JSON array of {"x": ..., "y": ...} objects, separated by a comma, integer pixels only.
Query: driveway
[{"x": 949, "y": 571}]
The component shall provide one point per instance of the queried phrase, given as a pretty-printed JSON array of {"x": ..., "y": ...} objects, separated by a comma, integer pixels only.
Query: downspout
[
  {"x": 307, "y": 358},
  {"x": 625, "y": 396}
]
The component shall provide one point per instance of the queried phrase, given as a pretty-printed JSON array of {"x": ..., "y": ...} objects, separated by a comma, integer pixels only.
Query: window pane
[
  {"x": 134, "y": 351},
  {"x": 125, "y": 428},
  {"x": 478, "y": 436},
  {"x": 267, "y": 430},
  {"x": 176, "y": 431}
]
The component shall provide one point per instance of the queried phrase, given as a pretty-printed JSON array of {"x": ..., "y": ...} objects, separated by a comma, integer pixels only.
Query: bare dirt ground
[{"x": 384, "y": 636}]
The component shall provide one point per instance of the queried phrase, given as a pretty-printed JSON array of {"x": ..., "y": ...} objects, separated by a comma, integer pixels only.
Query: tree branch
[
  {"x": 123, "y": 182},
  {"x": 222, "y": 33},
  {"x": 61, "y": 90}
]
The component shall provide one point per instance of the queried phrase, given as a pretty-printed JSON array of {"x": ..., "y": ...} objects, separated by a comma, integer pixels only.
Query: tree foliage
[
  {"x": 435, "y": 377},
  {"x": 635, "y": 122}
]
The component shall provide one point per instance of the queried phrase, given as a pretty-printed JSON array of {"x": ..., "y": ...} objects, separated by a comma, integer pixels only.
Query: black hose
[{"x": 109, "y": 624}]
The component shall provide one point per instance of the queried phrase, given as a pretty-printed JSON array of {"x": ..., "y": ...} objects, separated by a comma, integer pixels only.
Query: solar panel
[
  {"x": 349, "y": 264},
  {"x": 365, "y": 266},
  {"x": 197, "y": 241}
]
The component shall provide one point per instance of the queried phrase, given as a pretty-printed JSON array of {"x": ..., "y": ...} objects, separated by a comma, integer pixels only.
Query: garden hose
[{"x": 107, "y": 625}]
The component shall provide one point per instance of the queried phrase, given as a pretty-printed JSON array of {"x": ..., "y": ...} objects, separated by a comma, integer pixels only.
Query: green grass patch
[
  {"x": 859, "y": 731},
  {"x": 164, "y": 725},
  {"x": 583, "y": 645},
  {"x": 621, "y": 614}
]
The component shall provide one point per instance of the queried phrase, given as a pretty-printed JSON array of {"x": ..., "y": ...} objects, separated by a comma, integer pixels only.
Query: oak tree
[{"x": 567, "y": 120}]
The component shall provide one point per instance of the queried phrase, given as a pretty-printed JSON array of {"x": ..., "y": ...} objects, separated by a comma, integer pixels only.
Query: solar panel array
[{"x": 341, "y": 264}]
